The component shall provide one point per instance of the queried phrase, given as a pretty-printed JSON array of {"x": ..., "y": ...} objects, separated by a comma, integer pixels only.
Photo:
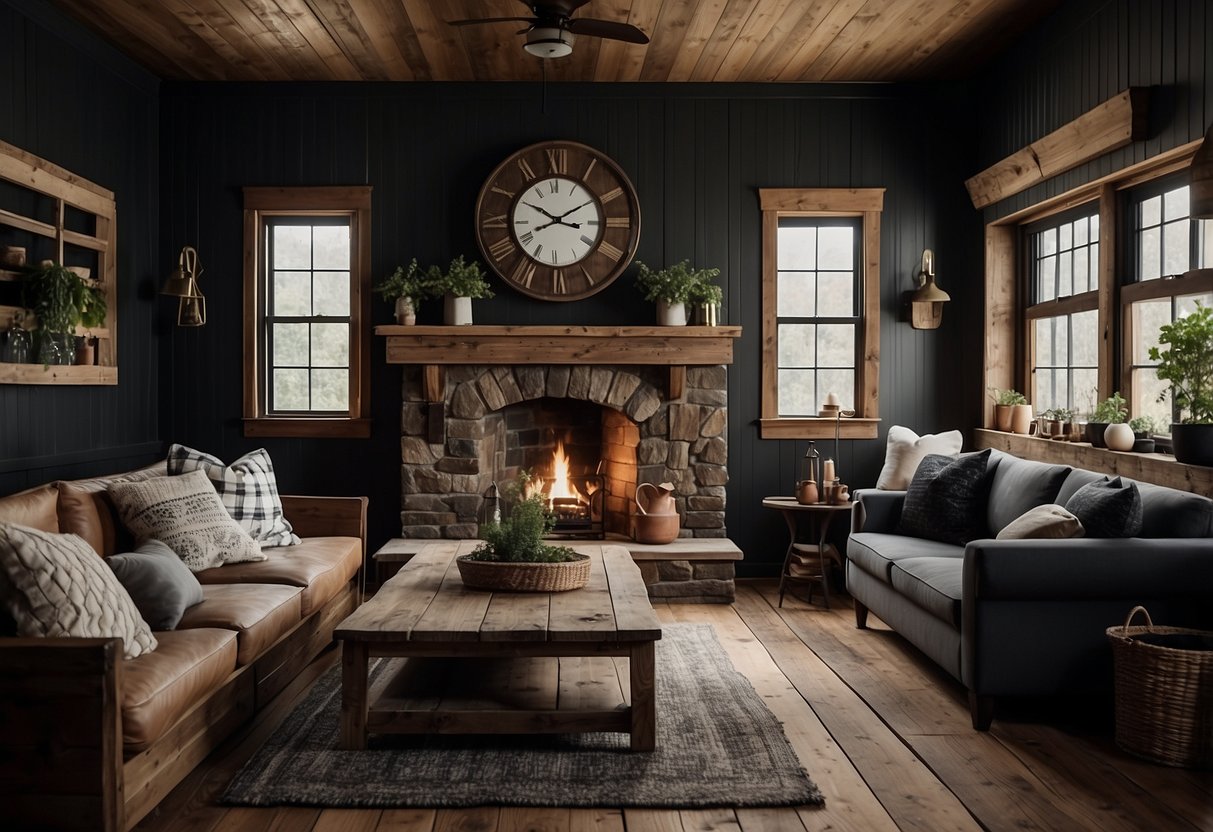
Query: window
[
  {"x": 306, "y": 343},
  {"x": 1167, "y": 253},
  {"x": 1062, "y": 257},
  {"x": 820, "y": 309}
]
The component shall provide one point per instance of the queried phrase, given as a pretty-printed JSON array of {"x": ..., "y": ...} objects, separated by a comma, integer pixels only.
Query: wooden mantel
[{"x": 676, "y": 347}]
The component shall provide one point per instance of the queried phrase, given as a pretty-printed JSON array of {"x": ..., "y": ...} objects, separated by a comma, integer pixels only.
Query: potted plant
[
  {"x": 61, "y": 300},
  {"x": 406, "y": 288},
  {"x": 705, "y": 298},
  {"x": 1143, "y": 430},
  {"x": 1187, "y": 362},
  {"x": 671, "y": 288},
  {"x": 460, "y": 284},
  {"x": 514, "y": 556},
  {"x": 1111, "y": 411},
  {"x": 1004, "y": 400}
]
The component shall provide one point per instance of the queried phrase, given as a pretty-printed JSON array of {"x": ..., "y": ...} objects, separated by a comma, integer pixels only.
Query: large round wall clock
[{"x": 558, "y": 220}]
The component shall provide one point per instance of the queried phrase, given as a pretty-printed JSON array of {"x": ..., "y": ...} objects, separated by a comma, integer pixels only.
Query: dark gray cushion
[
  {"x": 1107, "y": 508},
  {"x": 161, "y": 586},
  {"x": 1076, "y": 480},
  {"x": 946, "y": 500},
  {"x": 1018, "y": 485},
  {"x": 875, "y": 553},
  {"x": 935, "y": 584},
  {"x": 1169, "y": 512}
]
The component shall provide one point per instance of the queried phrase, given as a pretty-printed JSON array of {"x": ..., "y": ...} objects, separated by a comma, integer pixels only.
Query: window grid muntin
[
  {"x": 311, "y": 221},
  {"x": 1084, "y": 218},
  {"x": 853, "y": 321},
  {"x": 1077, "y": 396}
]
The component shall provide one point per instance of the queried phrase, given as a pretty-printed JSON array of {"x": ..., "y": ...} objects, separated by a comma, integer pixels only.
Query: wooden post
[
  {"x": 353, "y": 695},
  {"x": 644, "y": 696}
]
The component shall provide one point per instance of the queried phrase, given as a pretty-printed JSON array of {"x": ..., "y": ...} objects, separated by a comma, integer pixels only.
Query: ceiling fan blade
[
  {"x": 553, "y": 7},
  {"x": 477, "y": 20},
  {"x": 606, "y": 29}
]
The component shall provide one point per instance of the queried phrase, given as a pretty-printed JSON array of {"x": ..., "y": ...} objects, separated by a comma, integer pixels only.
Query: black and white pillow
[{"x": 247, "y": 488}]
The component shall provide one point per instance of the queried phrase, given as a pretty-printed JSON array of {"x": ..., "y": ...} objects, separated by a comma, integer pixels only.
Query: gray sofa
[{"x": 1028, "y": 617}]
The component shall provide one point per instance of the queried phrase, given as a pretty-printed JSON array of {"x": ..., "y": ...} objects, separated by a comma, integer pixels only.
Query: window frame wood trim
[
  {"x": 867, "y": 204},
  {"x": 353, "y": 201}
]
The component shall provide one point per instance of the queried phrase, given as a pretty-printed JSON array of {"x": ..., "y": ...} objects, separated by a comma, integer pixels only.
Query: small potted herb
[
  {"x": 1111, "y": 411},
  {"x": 1143, "y": 434},
  {"x": 705, "y": 300},
  {"x": 405, "y": 288},
  {"x": 1004, "y": 401},
  {"x": 671, "y": 288},
  {"x": 460, "y": 284}
]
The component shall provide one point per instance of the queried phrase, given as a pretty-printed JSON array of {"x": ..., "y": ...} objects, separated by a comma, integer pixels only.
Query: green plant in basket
[{"x": 518, "y": 538}]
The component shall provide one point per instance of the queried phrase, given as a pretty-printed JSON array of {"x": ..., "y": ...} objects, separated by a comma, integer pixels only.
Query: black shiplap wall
[
  {"x": 1084, "y": 54},
  {"x": 71, "y": 99},
  {"x": 697, "y": 155}
]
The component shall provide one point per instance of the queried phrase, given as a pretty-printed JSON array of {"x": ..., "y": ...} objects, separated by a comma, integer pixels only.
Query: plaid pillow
[{"x": 247, "y": 489}]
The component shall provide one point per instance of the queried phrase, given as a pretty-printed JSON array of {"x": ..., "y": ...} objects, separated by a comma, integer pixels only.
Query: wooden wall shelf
[
  {"x": 74, "y": 374},
  {"x": 676, "y": 347}
]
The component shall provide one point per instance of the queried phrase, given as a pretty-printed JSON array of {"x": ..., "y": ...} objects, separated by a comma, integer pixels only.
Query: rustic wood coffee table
[{"x": 475, "y": 662}]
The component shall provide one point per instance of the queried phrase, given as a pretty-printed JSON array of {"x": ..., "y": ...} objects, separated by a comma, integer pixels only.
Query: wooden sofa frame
[{"x": 61, "y": 757}]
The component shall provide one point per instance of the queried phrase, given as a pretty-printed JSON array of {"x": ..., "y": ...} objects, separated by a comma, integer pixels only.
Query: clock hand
[
  {"x": 540, "y": 210},
  {"x": 571, "y": 210}
]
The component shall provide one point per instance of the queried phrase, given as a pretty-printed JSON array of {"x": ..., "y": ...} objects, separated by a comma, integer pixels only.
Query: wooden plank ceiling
[{"x": 690, "y": 40}]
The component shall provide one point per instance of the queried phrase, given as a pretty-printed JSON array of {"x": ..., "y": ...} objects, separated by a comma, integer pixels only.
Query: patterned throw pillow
[
  {"x": 248, "y": 489},
  {"x": 1107, "y": 508},
  {"x": 946, "y": 500},
  {"x": 55, "y": 585},
  {"x": 186, "y": 515}
]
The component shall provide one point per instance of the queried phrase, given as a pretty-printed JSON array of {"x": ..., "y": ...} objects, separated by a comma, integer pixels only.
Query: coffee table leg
[
  {"x": 644, "y": 697},
  {"x": 353, "y": 695}
]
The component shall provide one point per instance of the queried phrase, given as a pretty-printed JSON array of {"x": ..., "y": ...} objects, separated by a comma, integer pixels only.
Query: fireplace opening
[{"x": 581, "y": 457}]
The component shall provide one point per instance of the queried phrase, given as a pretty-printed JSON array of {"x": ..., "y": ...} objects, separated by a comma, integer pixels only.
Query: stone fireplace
[{"x": 618, "y": 422}]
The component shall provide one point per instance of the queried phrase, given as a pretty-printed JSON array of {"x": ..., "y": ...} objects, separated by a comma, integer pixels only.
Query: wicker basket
[
  {"x": 1164, "y": 692},
  {"x": 524, "y": 577}
]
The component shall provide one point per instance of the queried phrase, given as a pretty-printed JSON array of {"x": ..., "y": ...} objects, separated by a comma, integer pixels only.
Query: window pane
[
  {"x": 1147, "y": 390},
  {"x": 292, "y": 245},
  {"x": 797, "y": 396},
  {"x": 1044, "y": 343},
  {"x": 1084, "y": 339},
  {"x": 331, "y": 247},
  {"x": 292, "y": 294},
  {"x": 836, "y": 345},
  {"x": 795, "y": 295},
  {"x": 1046, "y": 383},
  {"x": 797, "y": 247},
  {"x": 1149, "y": 261},
  {"x": 290, "y": 345},
  {"x": 330, "y": 390},
  {"x": 1147, "y": 318},
  {"x": 330, "y": 345},
  {"x": 1204, "y": 242},
  {"x": 1046, "y": 279},
  {"x": 1065, "y": 274},
  {"x": 837, "y": 248},
  {"x": 1083, "y": 383},
  {"x": 1065, "y": 237},
  {"x": 1081, "y": 273},
  {"x": 1175, "y": 247},
  {"x": 1151, "y": 212},
  {"x": 1080, "y": 231},
  {"x": 332, "y": 291},
  {"x": 836, "y": 295},
  {"x": 1175, "y": 204},
  {"x": 796, "y": 345},
  {"x": 290, "y": 390},
  {"x": 839, "y": 382},
  {"x": 1186, "y": 304},
  {"x": 1048, "y": 241}
]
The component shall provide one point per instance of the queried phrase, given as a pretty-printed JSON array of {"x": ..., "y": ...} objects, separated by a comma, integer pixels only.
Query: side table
[{"x": 820, "y": 515}]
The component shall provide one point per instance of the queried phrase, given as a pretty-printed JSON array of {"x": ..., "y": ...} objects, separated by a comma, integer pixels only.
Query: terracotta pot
[
  {"x": 657, "y": 528},
  {"x": 806, "y": 492},
  {"x": 1118, "y": 437},
  {"x": 1002, "y": 417},
  {"x": 1021, "y": 418}
]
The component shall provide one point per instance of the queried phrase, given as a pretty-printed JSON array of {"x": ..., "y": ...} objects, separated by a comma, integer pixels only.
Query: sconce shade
[
  {"x": 182, "y": 281},
  {"x": 929, "y": 293},
  {"x": 191, "y": 311},
  {"x": 1200, "y": 184}
]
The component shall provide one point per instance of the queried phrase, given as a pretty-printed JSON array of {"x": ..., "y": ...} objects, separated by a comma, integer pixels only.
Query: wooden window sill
[
  {"x": 296, "y": 428},
  {"x": 857, "y": 427}
]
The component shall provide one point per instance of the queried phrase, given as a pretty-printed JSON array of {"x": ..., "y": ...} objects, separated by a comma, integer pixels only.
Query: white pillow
[
  {"x": 1047, "y": 522},
  {"x": 56, "y": 585},
  {"x": 186, "y": 514},
  {"x": 905, "y": 449}
]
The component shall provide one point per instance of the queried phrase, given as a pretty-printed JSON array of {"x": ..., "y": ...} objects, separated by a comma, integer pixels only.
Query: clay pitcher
[{"x": 658, "y": 520}]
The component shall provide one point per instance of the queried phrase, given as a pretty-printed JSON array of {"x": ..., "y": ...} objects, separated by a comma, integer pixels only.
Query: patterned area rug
[{"x": 717, "y": 745}]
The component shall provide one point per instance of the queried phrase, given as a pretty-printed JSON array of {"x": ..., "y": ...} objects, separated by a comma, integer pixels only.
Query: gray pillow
[
  {"x": 946, "y": 500},
  {"x": 1018, "y": 485},
  {"x": 162, "y": 587},
  {"x": 1107, "y": 508}
]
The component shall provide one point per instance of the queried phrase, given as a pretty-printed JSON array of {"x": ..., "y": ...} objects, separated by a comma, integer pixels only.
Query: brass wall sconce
[
  {"x": 926, "y": 302},
  {"x": 183, "y": 284},
  {"x": 1200, "y": 183}
]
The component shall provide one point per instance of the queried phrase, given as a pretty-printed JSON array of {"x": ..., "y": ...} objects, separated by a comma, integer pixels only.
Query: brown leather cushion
[
  {"x": 321, "y": 565},
  {"x": 159, "y": 687},
  {"x": 259, "y": 613},
  {"x": 34, "y": 508},
  {"x": 86, "y": 509}
]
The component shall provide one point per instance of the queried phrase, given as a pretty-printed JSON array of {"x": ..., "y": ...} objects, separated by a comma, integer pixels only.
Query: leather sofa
[
  {"x": 1028, "y": 617},
  {"x": 94, "y": 741}
]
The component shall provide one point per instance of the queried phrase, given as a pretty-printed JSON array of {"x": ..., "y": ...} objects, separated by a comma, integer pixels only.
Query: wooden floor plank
[
  {"x": 530, "y": 819},
  {"x": 850, "y": 804},
  {"x": 652, "y": 820},
  {"x": 710, "y": 820},
  {"x": 596, "y": 820},
  {"x": 907, "y": 789},
  {"x": 482, "y": 819},
  {"x": 295, "y": 819},
  {"x": 347, "y": 820},
  {"x": 769, "y": 820},
  {"x": 406, "y": 820}
]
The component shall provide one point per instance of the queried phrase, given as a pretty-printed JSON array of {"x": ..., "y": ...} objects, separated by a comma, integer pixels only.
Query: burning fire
[{"x": 561, "y": 494}]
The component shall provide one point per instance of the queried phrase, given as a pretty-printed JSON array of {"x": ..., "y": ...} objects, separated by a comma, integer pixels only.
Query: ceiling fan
[{"x": 551, "y": 32}]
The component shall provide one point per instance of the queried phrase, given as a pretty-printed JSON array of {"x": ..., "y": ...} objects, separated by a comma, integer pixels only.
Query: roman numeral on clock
[
  {"x": 609, "y": 195},
  {"x": 586, "y": 272},
  {"x": 502, "y": 191},
  {"x": 558, "y": 160},
  {"x": 589, "y": 168},
  {"x": 501, "y": 249},
  {"x": 493, "y": 221},
  {"x": 618, "y": 222},
  {"x": 558, "y": 284},
  {"x": 528, "y": 172},
  {"x": 523, "y": 273},
  {"x": 609, "y": 250},
  {"x": 526, "y": 238}
]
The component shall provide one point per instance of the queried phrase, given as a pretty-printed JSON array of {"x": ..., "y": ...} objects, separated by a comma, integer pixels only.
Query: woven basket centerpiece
[{"x": 524, "y": 577}]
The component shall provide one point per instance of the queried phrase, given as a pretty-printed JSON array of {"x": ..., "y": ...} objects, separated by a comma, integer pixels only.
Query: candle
[
  {"x": 827, "y": 472},
  {"x": 832, "y": 400}
]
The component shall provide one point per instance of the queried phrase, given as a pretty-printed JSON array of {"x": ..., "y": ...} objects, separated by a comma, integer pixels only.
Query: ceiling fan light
[{"x": 549, "y": 42}]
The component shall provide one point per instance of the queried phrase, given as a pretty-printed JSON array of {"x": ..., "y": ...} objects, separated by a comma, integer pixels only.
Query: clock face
[{"x": 558, "y": 221}]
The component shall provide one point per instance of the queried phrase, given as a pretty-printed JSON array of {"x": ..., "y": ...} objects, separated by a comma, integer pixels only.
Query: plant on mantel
[
  {"x": 1187, "y": 362},
  {"x": 674, "y": 286},
  {"x": 406, "y": 288},
  {"x": 460, "y": 283}
]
